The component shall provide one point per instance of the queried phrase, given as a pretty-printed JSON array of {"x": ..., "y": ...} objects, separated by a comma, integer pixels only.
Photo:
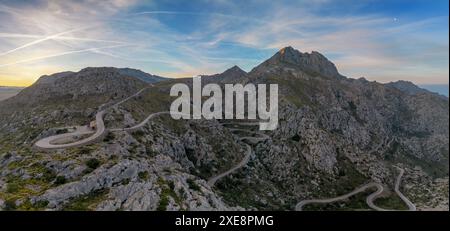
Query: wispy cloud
[
  {"x": 40, "y": 37},
  {"x": 35, "y": 42},
  {"x": 93, "y": 49},
  {"x": 205, "y": 37}
]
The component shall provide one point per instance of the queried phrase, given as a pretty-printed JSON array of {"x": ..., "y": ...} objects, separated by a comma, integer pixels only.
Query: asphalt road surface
[
  {"x": 369, "y": 200},
  {"x": 47, "y": 143}
]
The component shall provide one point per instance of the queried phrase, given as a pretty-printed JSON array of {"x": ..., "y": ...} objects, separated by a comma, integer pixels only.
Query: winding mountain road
[
  {"x": 141, "y": 124},
  {"x": 50, "y": 143},
  {"x": 251, "y": 139},
  {"x": 241, "y": 164},
  {"x": 47, "y": 143},
  {"x": 410, "y": 205},
  {"x": 369, "y": 200},
  {"x": 246, "y": 158}
]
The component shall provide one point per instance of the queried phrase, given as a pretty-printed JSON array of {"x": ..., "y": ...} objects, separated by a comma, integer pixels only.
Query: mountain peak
[
  {"x": 407, "y": 87},
  {"x": 98, "y": 69},
  {"x": 286, "y": 50},
  {"x": 96, "y": 83},
  {"x": 314, "y": 62},
  {"x": 235, "y": 70},
  {"x": 146, "y": 77},
  {"x": 231, "y": 75}
]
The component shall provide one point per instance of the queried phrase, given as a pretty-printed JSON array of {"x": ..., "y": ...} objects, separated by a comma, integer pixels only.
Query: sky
[{"x": 380, "y": 40}]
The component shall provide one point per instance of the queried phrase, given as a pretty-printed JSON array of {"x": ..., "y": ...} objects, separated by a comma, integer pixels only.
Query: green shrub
[
  {"x": 138, "y": 133},
  {"x": 109, "y": 137},
  {"x": 84, "y": 150},
  {"x": 143, "y": 175},
  {"x": 12, "y": 187},
  {"x": 87, "y": 201},
  {"x": 193, "y": 185},
  {"x": 9, "y": 205},
  {"x": 125, "y": 181},
  {"x": 48, "y": 175},
  {"x": 171, "y": 185},
  {"x": 93, "y": 163},
  {"x": 60, "y": 180},
  {"x": 163, "y": 202},
  {"x": 41, "y": 204}
]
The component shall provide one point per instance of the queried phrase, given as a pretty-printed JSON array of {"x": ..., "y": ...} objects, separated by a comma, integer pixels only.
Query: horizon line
[{"x": 208, "y": 74}]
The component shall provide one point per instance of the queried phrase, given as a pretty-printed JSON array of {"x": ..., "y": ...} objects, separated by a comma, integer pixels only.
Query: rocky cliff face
[
  {"x": 90, "y": 85},
  {"x": 313, "y": 63},
  {"x": 334, "y": 134},
  {"x": 343, "y": 132}
]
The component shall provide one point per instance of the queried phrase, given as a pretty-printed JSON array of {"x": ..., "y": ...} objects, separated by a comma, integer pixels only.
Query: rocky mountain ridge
[
  {"x": 146, "y": 77},
  {"x": 334, "y": 134}
]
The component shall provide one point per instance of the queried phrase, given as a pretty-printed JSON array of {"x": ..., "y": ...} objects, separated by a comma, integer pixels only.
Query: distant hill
[
  {"x": 81, "y": 91},
  {"x": 146, "y": 77},
  {"x": 441, "y": 89},
  {"x": 8, "y": 92}
]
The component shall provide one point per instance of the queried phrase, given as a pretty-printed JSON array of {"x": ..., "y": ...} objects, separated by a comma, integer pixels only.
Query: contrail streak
[
  {"x": 42, "y": 40},
  {"x": 98, "y": 51},
  {"x": 62, "y": 54},
  {"x": 90, "y": 40},
  {"x": 11, "y": 35}
]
